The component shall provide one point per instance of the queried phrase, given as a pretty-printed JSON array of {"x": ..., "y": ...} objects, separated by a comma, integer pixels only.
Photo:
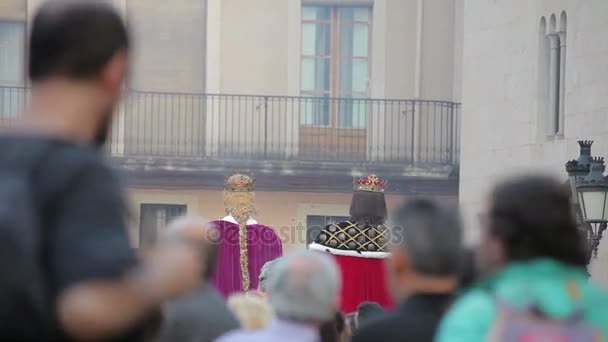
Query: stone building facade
[
  {"x": 535, "y": 79},
  {"x": 271, "y": 87}
]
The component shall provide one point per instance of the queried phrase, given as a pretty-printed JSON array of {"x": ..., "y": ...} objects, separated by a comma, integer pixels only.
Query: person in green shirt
[{"x": 531, "y": 254}]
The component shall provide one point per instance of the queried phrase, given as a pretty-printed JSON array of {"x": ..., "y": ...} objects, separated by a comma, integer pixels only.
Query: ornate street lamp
[
  {"x": 577, "y": 170},
  {"x": 588, "y": 191},
  {"x": 593, "y": 202}
]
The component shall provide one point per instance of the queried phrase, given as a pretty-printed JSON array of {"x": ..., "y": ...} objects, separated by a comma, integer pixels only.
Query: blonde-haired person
[{"x": 252, "y": 311}]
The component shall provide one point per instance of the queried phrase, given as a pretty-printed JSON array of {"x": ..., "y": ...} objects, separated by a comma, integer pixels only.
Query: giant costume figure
[
  {"x": 359, "y": 245},
  {"x": 244, "y": 245}
]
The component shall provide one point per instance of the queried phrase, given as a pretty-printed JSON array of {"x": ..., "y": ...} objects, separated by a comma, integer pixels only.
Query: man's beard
[{"x": 103, "y": 132}]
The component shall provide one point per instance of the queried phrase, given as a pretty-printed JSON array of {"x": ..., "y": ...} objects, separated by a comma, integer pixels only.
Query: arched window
[{"x": 552, "y": 71}]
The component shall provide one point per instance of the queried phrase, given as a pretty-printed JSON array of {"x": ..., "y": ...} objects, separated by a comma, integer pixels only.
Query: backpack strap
[
  {"x": 574, "y": 292},
  {"x": 576, "y": 316}
]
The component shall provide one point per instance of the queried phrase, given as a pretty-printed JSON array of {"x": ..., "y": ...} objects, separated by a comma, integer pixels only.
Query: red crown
[{"x": 370, "y": 183}]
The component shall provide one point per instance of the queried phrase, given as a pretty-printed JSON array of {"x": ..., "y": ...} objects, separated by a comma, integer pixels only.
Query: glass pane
[
  {"x": 353, "y": 111},
  {"x": 12, "y": 101},
  {"x": 353, "y": 75},
  {"x": 147, "y": 225},
  {"x": 361, "y": 14},
  {"x": 316, "y": 13},
  {"x": 11, "y": 52},
  {"x": 354, "y": 13},
  {"x": 315, "y": 39},
  {"x": 360, "y": 40},
  {"x": 315, "y": 74},
  {"x": 593, "y": 204},
  {"x": 314, "y": 110},
  {"x": 354, "y": 40},
  {"x": 154, "y": 219},
  {"x": 314, "y": 224}
]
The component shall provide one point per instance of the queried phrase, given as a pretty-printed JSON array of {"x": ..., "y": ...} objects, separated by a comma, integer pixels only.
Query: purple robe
[{"x": 263, "y": 245}]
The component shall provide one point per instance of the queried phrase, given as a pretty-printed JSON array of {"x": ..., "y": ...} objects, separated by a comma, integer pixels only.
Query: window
[
  {"x": 552, "y": 72},
  {"x": 154, "y": 219},
  {"x": 335, "y": 64},
  {"x": 11, "y": 52},
  {"x": 12, "y": 36},
  {"x": 314, "y": 224}
]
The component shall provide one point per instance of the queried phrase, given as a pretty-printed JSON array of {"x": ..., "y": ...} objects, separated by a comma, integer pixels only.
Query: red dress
[{"x": 361, "y": 255}]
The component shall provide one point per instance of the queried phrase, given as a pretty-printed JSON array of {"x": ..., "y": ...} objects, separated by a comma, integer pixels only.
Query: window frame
[
  {"x": 182, "y": 209},
  {"x": 334, "y": 94}
]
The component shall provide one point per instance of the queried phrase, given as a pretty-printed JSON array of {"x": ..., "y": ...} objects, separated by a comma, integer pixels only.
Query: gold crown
[
  {"x": 370, "y": 183},
  {"x": 239, "y": 183}
]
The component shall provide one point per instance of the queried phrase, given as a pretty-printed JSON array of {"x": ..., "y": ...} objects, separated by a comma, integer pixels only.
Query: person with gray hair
[
  {"x": 265, "y": 273},
  {"x": 202, "y": 315},
  {"x": 424, "y": 266},
  {"x": 304, "y": 293}
]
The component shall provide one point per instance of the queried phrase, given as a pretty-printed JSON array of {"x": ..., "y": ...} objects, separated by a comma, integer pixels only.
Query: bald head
[
  {"x": 75, "y": 39},
  {"x": 198, "y": 230}
]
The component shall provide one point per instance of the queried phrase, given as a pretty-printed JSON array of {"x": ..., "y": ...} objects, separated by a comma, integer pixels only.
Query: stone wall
[{"x": 500, "y": 93}]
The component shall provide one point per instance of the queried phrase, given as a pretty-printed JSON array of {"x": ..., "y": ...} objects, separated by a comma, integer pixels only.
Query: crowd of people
[{"x": 70, "y": 274}]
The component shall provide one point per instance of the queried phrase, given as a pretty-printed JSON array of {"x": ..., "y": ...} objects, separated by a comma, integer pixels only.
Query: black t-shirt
[
  {"x": 82, "y": 212},
  {"x": 415, "y": 319}
]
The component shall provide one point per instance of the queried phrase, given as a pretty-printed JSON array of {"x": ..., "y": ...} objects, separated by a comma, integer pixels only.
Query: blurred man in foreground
[
  {"x": 89, "y": 285},
  {"x": 304, "y": 293},
  {"x": 424, "y": 267},
  {"x": 202, "y": 315}
]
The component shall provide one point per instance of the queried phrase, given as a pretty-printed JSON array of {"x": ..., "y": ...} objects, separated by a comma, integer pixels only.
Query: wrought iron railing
[{"x": 202, "y": 126}]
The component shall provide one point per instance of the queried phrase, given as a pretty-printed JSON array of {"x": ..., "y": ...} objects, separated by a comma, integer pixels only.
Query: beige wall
[
  {"x": 420, "y": 62},
  {"x": 254, "y": 47},
  {"x": 400, "y": 49},
  {"x": 169, "y": 41},
  {"x": 436, "y": 20},
  {"x": 259, "y": 57},
  {"x": 500, "y": 93},
  {"x": 169, "y": 56},
  {"x": 437, "y": 50},
  {"x": 13, "y": 9},
  {"x": 169, "y": 45},
  {"x": 458, "y": 49},
  {"x": 284, "y": 211}
]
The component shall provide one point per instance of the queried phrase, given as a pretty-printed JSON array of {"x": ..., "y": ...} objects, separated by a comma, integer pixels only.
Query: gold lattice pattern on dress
[{"x": 352, "y": 236}]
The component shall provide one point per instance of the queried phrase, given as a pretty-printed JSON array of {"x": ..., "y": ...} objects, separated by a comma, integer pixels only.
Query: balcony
[{"x": 171, "y": 132}]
